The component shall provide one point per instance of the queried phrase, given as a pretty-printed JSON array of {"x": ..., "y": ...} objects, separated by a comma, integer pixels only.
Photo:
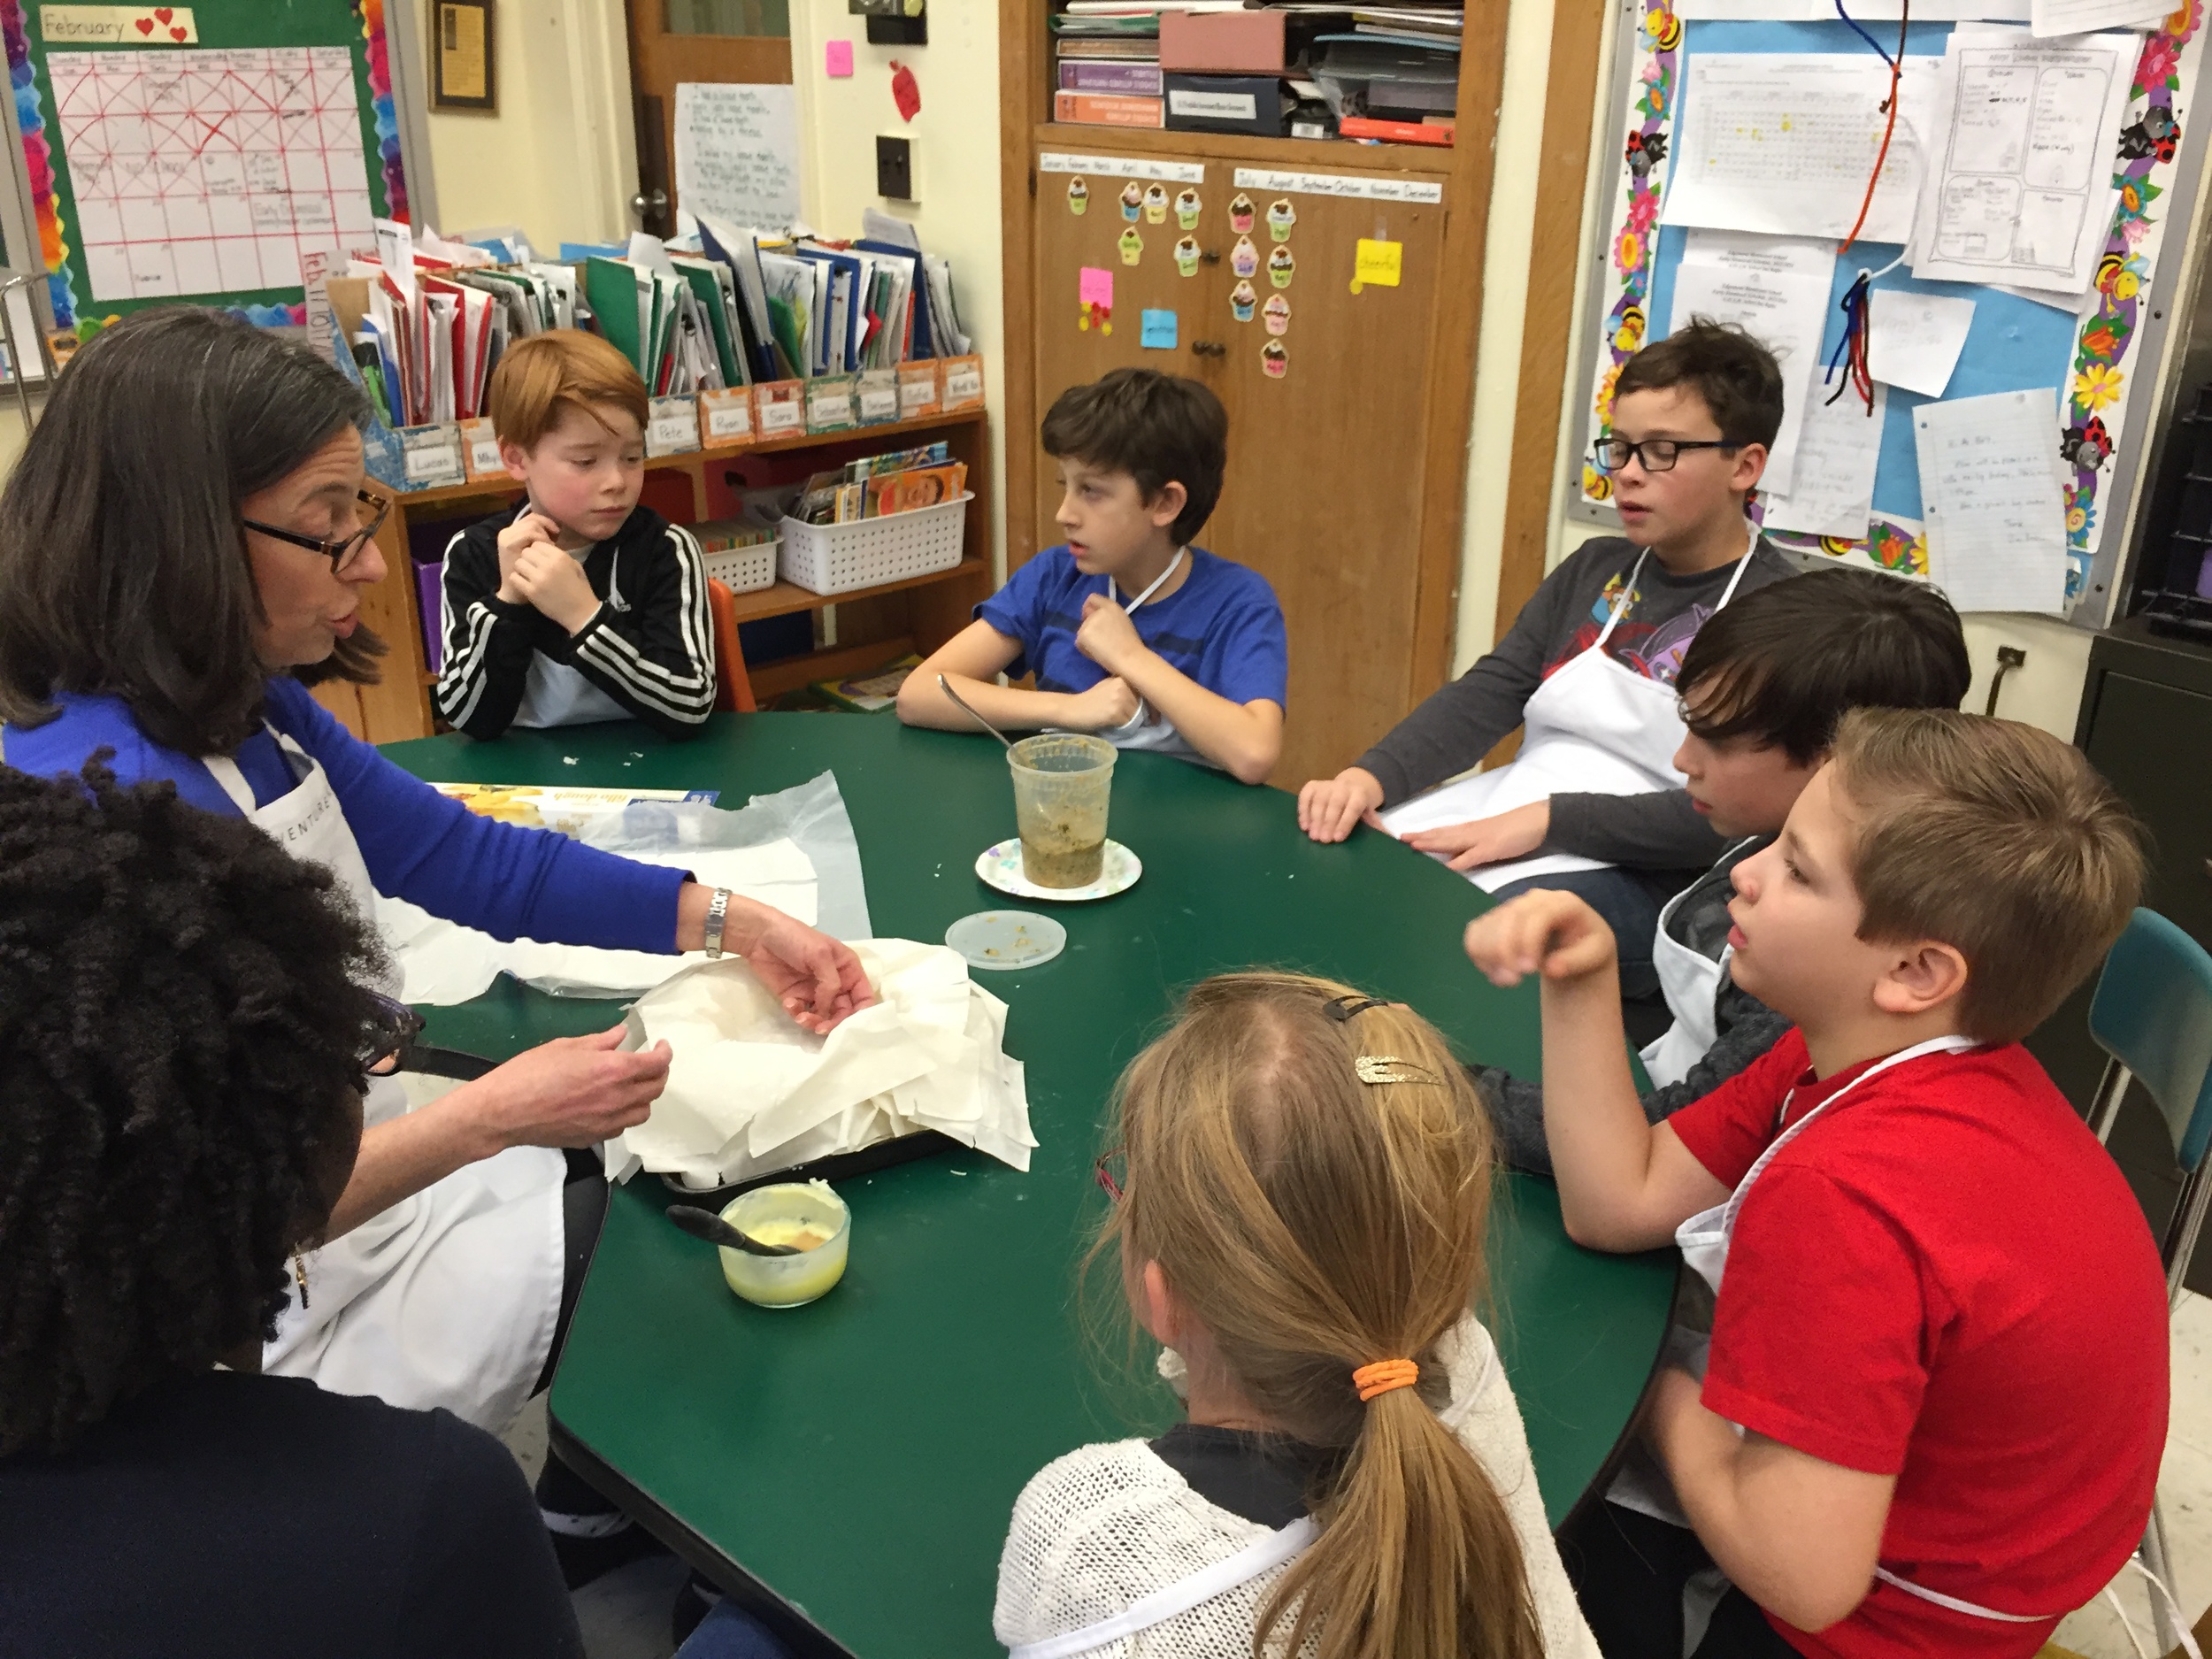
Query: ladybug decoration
[
  {"x": 1645, "y": 151},
  {"x": 2157, "y": 133},
  {"x": 2087, "y": 446}
]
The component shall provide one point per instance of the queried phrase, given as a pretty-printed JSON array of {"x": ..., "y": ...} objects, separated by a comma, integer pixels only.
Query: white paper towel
[{"x": 750, "y": 1091}]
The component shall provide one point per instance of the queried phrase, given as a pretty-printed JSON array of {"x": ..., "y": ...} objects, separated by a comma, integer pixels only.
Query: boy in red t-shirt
[{"x": 1936, "y": 1397}]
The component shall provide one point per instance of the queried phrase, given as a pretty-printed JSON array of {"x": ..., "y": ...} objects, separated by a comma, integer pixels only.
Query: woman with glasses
[{"x": 183, "y": 551}]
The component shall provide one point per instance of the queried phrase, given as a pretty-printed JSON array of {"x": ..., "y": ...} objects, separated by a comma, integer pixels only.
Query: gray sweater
[
  {"x": 1744, "y": 1028},
  {"x": 1462, "y": 722}
]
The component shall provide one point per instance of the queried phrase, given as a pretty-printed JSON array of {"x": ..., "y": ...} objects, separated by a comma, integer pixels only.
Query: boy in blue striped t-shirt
[{"x": 1133, "y": 633}]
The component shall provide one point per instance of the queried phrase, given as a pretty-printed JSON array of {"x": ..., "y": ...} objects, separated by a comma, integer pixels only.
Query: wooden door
[
  {"x": 693, "y": 40},
  {"x": 1329, "y": 471}
]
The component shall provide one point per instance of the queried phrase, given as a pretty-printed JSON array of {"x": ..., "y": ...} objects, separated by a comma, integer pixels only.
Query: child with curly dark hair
[{"x": 183, "y": 1044}]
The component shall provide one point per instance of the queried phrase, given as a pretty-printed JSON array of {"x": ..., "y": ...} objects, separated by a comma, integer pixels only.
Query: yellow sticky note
[{"x": 1376, "y": 262}]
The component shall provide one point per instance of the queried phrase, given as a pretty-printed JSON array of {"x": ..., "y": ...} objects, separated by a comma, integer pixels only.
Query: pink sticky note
[
  {"x": 1095, "y": 286},
  {"x": 838, "y": 58}
]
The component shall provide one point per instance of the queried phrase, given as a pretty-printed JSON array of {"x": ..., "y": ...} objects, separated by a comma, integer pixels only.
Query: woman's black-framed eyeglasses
[
  {"x": 1653, "y": 455},
  {"x": 1112, "y": 1173},
  {"x": 341, "y": 554},
  {"x": 387, "y": 1041}
]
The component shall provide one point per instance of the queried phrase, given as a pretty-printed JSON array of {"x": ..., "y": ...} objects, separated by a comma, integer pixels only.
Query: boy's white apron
[
  {"x": 1704, "y": 1240},
  {"x": 1690, "y": 982},
  {"x": 1594, "y": 728},
  {"x": 447, "y": 1298}
]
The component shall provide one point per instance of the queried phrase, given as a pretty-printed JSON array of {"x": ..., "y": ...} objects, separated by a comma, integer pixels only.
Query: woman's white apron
[
  {"x": 447, "y": 1298},
  {"x": 1594, "y": 728}
]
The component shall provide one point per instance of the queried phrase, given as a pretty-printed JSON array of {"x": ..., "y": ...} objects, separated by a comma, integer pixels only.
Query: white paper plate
[
  {"x": 1000, "y": 867},
  {"x": 1002, "y": 939}
]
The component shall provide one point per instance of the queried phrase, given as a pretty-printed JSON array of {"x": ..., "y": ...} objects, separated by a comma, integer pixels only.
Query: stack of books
[
  {"x": 1107, "y": 64},
  {"x": 877, "y": 486}
]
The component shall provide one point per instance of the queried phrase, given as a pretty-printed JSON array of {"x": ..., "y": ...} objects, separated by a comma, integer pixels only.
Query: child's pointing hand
[{"x": 1554, "y": 935}]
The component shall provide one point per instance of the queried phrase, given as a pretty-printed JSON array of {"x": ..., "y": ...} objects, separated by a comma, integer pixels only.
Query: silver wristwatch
[{"x": 717, "y": 913}]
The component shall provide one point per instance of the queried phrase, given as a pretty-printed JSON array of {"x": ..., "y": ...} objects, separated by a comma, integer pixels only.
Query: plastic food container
[
  {"x": 1062, "y": 782},
  {"x": 790, "y": 1212}
]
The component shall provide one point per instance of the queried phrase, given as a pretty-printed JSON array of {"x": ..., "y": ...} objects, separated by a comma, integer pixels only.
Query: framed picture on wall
[{"x": 461, "y": 56}]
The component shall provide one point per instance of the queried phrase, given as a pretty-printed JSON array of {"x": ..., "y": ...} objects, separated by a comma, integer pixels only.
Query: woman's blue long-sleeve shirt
[{"x": 419, "y": 845}]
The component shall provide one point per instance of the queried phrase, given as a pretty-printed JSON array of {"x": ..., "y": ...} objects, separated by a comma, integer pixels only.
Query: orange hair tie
[{"x": 1383, "y": 1376}]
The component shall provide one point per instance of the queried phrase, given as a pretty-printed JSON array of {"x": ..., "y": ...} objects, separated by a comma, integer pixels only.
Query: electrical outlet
[{"x": 895, "y": 168}]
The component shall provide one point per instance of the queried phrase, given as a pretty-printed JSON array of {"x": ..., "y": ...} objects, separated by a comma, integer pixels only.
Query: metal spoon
[
  {"x": 946, "y": 686},
  {"x": 704, "y": 1223}
]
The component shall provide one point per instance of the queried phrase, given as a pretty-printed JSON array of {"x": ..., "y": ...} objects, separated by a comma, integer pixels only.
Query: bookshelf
[{"x": 873, "y": 624}]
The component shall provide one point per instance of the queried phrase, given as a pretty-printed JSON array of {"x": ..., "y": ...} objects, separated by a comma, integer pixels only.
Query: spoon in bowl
[
  {"x": 704, "y": 1223},
  {"x": 946, "y": 687}
]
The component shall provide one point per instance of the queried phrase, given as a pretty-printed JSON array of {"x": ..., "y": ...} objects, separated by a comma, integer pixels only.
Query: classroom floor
[{"x": 624, "y": 1615}]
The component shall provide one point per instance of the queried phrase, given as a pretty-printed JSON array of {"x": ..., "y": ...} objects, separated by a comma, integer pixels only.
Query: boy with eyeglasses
[{"x": 1593, "y": 803}]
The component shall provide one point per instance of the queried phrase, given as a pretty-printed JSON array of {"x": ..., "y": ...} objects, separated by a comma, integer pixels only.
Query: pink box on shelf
[{"x": 1222, "y": 42}]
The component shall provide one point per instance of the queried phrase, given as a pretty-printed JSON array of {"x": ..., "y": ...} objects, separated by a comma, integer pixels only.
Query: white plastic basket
[
  {"x": 743, "y": 570},
  {"x": 836, "y": 558}
]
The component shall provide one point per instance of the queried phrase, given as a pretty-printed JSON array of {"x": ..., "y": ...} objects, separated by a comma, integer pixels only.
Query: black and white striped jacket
[{"x": 650, "y": 646}]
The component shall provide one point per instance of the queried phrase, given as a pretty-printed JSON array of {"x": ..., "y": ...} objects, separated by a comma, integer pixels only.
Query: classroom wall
[
  {"x": 955, "y": 139},
  {"x": 559, "y": 155}
]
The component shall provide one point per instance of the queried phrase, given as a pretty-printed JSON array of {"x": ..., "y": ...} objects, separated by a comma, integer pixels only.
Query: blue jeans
[
  {"x": 1630, "y": 909},
  {"x": 730, "y": 1633}
]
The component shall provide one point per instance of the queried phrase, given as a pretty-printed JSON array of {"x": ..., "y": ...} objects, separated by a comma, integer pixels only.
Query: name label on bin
[
  {"x": 880, "y": 402},
  {"x": 673, "y": 426},
  {"x": 431, "y": 455},
  {"x": 963, "y": 386},
  {"x": 729, "y": 413}
]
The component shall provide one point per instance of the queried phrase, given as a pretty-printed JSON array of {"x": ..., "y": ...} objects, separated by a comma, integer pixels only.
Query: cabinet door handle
[
  {"x": 1212, "y": 255},
  {"x": 1215, "y": 349}
]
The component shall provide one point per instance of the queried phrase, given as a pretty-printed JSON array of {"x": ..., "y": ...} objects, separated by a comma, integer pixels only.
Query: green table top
[{"x": 860, "y": 1456}]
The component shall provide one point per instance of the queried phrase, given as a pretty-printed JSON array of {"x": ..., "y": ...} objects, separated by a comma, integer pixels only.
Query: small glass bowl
[{"x": 788, "y": 1281}]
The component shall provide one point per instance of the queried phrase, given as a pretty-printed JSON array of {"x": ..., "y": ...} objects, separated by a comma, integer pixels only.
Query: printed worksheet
[
  {"x": 206, "y": 171},
  {"x": 2019, "y": 188},
  {"x": 1776, "y": 289},
  {"x": 1784, "y": 144}
]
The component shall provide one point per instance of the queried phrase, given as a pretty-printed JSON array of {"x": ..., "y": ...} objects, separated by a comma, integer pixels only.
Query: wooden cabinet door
[
  {"x": 1073, "y": 348},
  {"x": 1326, "y": 482},
  {"x": 673, "y": 41}
]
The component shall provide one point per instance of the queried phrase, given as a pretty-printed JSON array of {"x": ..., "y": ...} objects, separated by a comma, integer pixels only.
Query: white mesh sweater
[{"x": 1107, "y": 1526}]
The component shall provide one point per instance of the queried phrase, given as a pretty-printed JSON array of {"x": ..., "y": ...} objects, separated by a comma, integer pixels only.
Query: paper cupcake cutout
[
  {"x": 1277, "y": 314},
  {"x": 1132, "y": 246},
  {"x": 1078, "y": 196},
  {"x": 1240, "y": 212},
  {"x": 1187, "y": 210},
  {"x": 1280, "y": 266},
  {"x": 1243, "y": 300},
  {"x": 1155, "y": 204},
  {"x": 1132, "y": 200},
  {"x": 1244, "y": 258},
  {"x": 1274, "y": 361},
  {"x": 1186, "y": 256},
  {"x": 1280, "y": 217}
]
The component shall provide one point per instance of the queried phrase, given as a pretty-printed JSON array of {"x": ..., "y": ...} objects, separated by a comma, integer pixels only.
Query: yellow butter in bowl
[{"x": 807, "y": 1216}]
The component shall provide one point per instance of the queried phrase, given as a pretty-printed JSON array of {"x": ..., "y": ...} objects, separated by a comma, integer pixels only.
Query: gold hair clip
[{"x": 1389, "y": 1068}]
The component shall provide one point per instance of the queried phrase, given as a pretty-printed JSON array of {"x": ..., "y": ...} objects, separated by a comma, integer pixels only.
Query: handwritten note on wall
[
  {"x": 737, "y": 153},
  {"x": 1989, "y": 485}
]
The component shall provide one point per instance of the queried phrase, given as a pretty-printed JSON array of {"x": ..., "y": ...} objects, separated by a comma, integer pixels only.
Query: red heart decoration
[
  {"x": 163, "y": 14},
  {"x": 145, "y": 26},
  {"x": 176, "y": 35}
]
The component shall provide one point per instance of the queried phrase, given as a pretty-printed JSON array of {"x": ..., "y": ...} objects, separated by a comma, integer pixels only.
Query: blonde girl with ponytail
[{"x": 1302, "y": 1180}]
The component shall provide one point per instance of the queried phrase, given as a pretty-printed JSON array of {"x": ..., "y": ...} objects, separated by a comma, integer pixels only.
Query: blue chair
[{"x": 2152, "y": 1015}]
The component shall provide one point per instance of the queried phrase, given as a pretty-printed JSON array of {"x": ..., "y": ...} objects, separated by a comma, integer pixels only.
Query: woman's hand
[
  {"x": 572, "y": 1092},
  {"x": 816, "y": 979}
]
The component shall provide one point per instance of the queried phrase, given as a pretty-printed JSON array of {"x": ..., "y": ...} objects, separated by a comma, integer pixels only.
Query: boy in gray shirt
[{"x": 1589, "y": 665}]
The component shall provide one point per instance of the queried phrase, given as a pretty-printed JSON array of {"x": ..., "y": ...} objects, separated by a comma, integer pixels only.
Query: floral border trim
[
  {"x": 1899, "y": 546},
  {"x": 371, "y": 15},
  {"x": 38, "y": 156},
  {"x": 1633, "y": 233},
  {"x": 2104, "y": 345}
]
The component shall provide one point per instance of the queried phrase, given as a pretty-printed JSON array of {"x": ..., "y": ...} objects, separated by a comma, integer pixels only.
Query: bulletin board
[
  {"x": 2103, "y": 358},
  {"x": 290, "y": 133}
]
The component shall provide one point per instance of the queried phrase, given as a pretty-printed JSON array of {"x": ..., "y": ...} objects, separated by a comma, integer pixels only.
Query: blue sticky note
[{"x": 1159, "y": 330}]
